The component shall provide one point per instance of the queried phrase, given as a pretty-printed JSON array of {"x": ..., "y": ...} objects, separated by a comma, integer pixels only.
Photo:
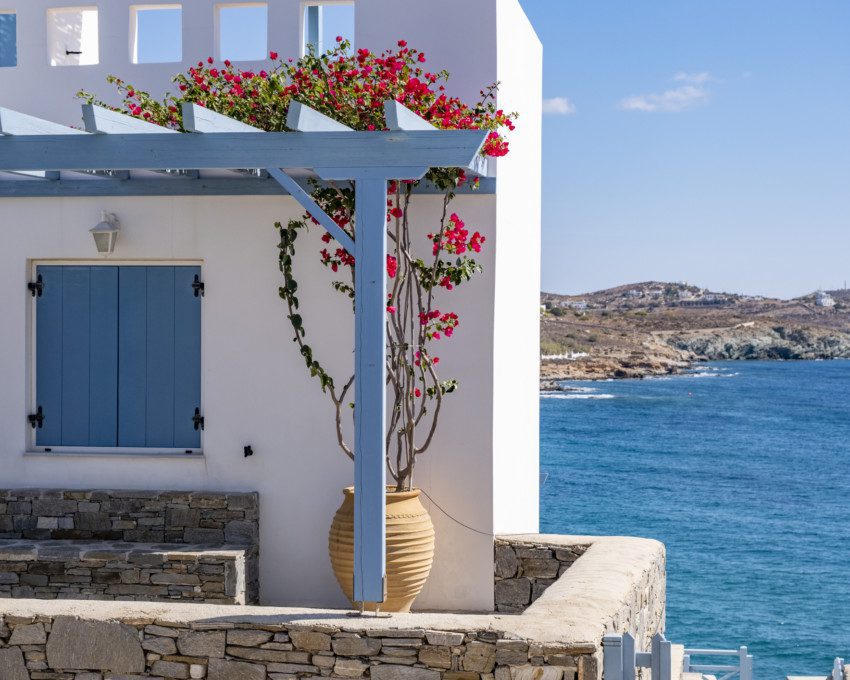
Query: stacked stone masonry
[
  {"x": 524, "y": 571},
  {"x": 64, "y": 648},
  {"x": 190, "y": 538},
  {"x": 616, "y": 586},
  {"x": 123, "y": 571}
]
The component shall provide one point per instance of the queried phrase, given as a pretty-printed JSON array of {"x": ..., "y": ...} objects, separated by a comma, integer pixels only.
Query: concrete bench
[{"x": 106, "y": 570}]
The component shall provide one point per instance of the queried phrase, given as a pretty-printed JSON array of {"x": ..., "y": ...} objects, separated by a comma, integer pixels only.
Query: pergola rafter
[{"x": 37, "y": 155}]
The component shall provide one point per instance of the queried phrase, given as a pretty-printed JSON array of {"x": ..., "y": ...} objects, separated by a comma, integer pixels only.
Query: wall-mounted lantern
[{"x": 105, "y": 233}]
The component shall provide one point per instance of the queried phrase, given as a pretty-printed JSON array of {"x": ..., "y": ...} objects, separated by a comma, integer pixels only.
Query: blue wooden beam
[
  {"x": 360, "y": 150},
  {"x": 312, "y": 207},
  {"x": 370, "y": 397},
  {"x": 399, "y": 117},
  {"x": 201, "y": 119},
  {"x": 51, "y": 175},
  {"x": 302, "y": 118},
  {"x": 105, "y": 121},
  {"x": 218, "y": 186},
  {"x": 16, "y": 123}
]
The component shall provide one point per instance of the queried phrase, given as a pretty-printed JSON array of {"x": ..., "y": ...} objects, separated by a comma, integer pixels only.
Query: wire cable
[{"x": 489, "y": 534}]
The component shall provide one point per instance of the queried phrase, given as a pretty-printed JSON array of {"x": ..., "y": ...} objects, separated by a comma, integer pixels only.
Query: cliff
[{"x": 658, "y": 328}]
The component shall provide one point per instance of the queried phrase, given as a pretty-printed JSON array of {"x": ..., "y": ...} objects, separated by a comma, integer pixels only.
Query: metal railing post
[
  {"x": 665, "y": 662},
  {"x": 629, "y": 660},
  {"x": 745, "y": 664},
  {"x": 612, "y": 657}
]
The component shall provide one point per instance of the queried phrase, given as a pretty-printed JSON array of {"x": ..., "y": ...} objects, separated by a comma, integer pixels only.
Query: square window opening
[
  {"x": 324, "y": 22},
  {"x": 242, "y": 31},
  {"x": 156, "y": 33},
  {"x": 72, "y": 36},
  {"x": 8, "y": 39}
]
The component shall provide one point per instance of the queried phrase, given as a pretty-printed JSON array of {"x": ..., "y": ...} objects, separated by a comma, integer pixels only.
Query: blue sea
[{"x": 743, "y": 470}]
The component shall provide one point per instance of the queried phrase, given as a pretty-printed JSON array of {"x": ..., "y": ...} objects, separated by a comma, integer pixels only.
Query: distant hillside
[{"x": 654, "y": 328}]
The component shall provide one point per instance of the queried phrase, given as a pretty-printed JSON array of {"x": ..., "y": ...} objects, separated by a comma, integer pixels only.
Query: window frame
[
  {"x": 31, "y": 363},
  {"x": 134, "y": 30},
  {"x": 305, "y": 4}
]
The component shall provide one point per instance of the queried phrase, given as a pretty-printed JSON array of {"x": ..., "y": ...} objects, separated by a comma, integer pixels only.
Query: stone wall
[
  {"x": 122, "y": 571},
  {"x": 216, "y": 520},
  {"x": 525, "y": 570},
  {"x": 616, "y": 586},
  {"x": 66, "y": 648},
  {"x": 207, "y": 518}
]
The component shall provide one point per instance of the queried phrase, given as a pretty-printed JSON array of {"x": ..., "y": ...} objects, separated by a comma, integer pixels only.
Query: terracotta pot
[{"x": 410, "y": 548}]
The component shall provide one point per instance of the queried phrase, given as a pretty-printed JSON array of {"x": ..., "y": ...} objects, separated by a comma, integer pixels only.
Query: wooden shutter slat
[
  {"x": 187, "y": 357},
  {"x": 103, "y": 357},
  {"x": 132, "y": 356},
  {"x": 76, "y": 336},
  {"x": 160, "y": 358}
]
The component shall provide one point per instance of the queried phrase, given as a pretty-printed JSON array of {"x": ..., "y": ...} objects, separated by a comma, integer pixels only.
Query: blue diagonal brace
[{"x": 313, "y": 208}]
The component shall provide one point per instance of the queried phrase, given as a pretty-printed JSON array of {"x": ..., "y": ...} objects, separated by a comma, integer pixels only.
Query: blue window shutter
[
  {"x": 159, "y": 364},
  {"x": 103, "y": 357},
  {"x": 48, "y": 369},
  {"x": 118, "y": 358},
  {"x": 160, "y": 351},
  {"x": 187, "y": 357},
  {"x": 132, "y": 356}
]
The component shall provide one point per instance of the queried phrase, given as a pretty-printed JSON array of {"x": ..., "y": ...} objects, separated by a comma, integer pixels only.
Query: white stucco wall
[
  {"x": 482, "y": 468},
  {"x": 516, "y": 349}
]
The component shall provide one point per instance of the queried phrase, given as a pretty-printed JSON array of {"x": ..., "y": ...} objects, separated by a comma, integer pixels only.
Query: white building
[
  {"x": 483, "y": 468},
  {"x": 824, "y": 299}
]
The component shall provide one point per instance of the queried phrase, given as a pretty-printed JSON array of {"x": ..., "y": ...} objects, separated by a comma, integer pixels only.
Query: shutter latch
[
  {"x": 198, "y": 287},
  {"x": 36, "y": 288},
  {"x": 37, "y": 419},
  {"x": 198, "y": 420}
]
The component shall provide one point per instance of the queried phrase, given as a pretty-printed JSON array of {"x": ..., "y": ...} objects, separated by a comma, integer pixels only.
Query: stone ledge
[
  {"x": 106, "y": 570},
  {"x": 616, "y": 586}
]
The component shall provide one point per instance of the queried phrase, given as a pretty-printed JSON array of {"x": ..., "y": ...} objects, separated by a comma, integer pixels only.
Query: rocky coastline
[{"x": 629, "y": 347}]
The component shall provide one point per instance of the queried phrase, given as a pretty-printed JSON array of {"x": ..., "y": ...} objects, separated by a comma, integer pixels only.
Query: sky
[{"x": 696, "y": 141}]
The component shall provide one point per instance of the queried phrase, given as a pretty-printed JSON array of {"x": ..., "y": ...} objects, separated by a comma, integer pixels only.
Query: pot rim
[{"x": 392, "y": 494}]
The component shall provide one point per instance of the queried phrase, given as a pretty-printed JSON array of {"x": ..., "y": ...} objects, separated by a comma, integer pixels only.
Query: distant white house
[{"x": 824, "y": 299}]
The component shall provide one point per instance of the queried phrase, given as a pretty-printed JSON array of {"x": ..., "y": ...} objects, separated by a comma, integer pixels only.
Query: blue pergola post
[{"x": 370, "y": 346}]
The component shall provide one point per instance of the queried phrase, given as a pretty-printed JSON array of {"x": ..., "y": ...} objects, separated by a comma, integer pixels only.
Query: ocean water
[{"x": 743, "y": 471}]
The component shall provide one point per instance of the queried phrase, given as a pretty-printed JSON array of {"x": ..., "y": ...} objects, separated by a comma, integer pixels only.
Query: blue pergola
[{"x": 118, "y": 155}]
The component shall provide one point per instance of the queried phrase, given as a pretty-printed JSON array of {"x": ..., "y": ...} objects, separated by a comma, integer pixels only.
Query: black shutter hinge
[
  {"x": 36, "y": 419},
  {"x": 198, "y": 287},
  {"x": 198, "y": 420},
  {"x": 36, "y": 288},
  {"x": 69, "y": 52}
]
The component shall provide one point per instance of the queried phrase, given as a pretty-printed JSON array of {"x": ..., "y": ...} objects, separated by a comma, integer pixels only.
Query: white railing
[
  {"x": 620, "y": 660},
  {"x": 743, "y": 669},
  {"x": 838, "y": 669}
]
